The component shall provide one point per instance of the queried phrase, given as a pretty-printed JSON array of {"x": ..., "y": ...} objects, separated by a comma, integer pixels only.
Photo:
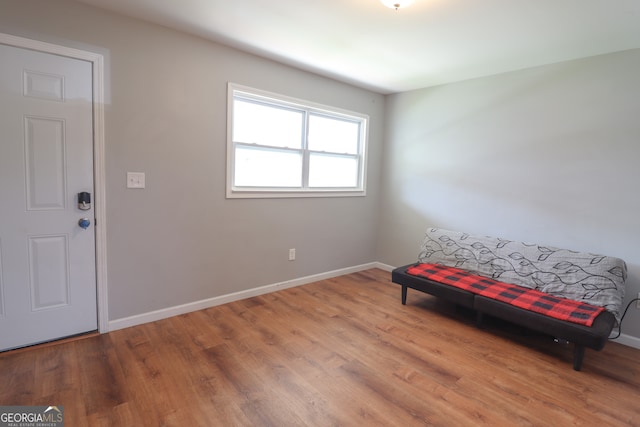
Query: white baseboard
[
  {"x": 385, "y": 267},
  {"x": 164, "y": 313},
  {"x": 628, "y": 340}
]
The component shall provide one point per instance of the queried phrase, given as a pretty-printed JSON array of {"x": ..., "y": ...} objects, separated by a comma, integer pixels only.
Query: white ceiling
[{"x": 428, "y": 43}]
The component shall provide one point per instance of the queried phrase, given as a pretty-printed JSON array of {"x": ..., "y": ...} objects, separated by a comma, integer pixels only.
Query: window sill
[{"x": 279, "y": 194}]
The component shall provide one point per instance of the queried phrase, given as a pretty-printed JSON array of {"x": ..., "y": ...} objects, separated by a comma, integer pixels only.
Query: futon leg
[
  {"x": 578, "y": 355},
  {"x": 404, "y": 295}
]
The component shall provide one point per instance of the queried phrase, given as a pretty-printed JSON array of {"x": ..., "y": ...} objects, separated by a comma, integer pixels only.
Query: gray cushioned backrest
[{"x": 581, "y": 276}]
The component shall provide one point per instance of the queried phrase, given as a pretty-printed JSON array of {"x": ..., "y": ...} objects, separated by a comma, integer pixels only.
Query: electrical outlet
[
  {"x": 292, "y": 254},
  {"x": 135, "y": 180}
]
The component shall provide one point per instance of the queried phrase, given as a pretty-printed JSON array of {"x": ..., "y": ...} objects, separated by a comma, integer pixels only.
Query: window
[{"x": 283, "y": 147}]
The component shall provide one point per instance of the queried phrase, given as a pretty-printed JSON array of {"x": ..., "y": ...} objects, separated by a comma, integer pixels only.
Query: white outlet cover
[{"x": 135, "y": 180}]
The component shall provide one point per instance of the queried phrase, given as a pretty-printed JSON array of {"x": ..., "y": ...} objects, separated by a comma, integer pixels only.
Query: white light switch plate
[{"x": 135, "y": 179}]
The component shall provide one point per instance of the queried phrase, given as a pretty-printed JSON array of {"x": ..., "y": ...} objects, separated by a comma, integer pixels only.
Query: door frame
[{"x": 99, "y": 175}]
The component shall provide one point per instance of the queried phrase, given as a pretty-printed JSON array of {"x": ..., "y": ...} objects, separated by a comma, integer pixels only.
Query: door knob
[{"x": 84, "y": 223}]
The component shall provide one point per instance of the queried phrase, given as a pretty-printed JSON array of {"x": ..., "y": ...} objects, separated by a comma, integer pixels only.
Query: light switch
[{"x": 135, "y": 179}]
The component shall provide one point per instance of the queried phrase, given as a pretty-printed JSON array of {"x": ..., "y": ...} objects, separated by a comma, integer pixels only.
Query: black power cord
[{"x": 622, "y": 318}]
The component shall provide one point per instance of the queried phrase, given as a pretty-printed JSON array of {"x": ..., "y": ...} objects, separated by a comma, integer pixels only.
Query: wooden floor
[{"x": 340, "y": 352}]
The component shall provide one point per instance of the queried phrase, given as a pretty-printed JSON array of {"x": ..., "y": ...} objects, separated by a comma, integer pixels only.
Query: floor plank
[{"x": 339, "y": 352}]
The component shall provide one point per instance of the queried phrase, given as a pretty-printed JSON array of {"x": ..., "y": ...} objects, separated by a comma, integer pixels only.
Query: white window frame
[{"x": 308, "y": 108}]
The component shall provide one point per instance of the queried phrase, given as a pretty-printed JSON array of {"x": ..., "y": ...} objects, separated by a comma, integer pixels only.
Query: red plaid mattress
[{"x": 528, "y": 299}]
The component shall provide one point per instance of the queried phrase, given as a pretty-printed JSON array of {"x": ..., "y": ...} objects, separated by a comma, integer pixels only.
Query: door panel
[
  {"x": 47, "y": 262},
  {"x": 45, "y": 163},
  {"x": 48, "y": 271}
]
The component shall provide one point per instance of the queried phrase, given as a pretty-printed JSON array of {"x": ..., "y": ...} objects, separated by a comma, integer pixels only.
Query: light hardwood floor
[{"x": 339, "y": 352}]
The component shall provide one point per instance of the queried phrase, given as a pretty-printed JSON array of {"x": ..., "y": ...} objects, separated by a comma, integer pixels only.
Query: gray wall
[
  {"x": 180, "y": 240},
  {"x": 546, "y": 155}
]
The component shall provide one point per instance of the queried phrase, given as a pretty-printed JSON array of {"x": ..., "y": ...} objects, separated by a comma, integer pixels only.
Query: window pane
[
  {"x": 267, "y": 168},
  {"x": 266, "y": 125},
  {"x": 333, "y": 135},
  {"x": 332, "y": 171}
]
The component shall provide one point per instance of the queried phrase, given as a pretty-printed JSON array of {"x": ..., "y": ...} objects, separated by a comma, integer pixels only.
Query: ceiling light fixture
[{"x": 396, "y": 4}]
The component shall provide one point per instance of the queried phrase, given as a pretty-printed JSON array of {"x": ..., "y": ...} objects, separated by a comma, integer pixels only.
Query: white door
[{"x": 47, "y": 261}]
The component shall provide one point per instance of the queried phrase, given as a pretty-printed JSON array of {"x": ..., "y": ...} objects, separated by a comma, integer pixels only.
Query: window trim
[{"x": 309, "y": 108}]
